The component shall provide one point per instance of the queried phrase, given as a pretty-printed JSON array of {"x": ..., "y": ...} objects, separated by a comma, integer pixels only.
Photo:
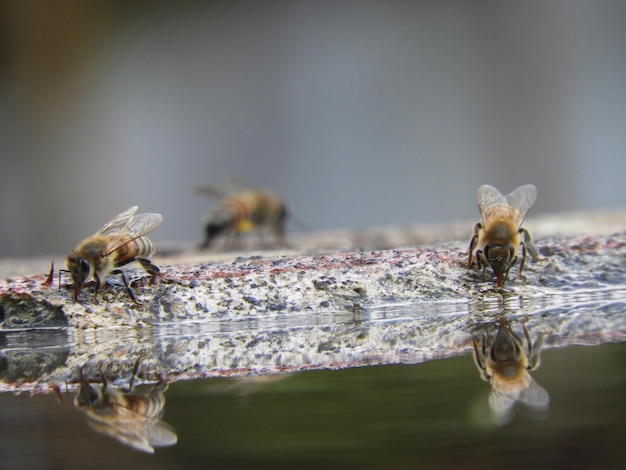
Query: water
[{"x": 389, "y": 387}]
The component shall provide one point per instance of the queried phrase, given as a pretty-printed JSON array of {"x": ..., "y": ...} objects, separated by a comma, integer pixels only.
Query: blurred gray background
[{"x": 360, "y": 113}]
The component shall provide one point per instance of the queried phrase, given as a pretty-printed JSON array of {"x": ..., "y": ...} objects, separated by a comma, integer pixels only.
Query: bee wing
[
  {"x": 487, "y": 197},
  {"x": 136, "y": 226},
  {"x": 238, "y": 183},
  {"x": 232, "y": 184},
  {"x": 211, "y": 191},
  {"x": 117, "y": 223},
  {"x": 142, "y": 224},
  {"x": 135, "y": 430},
  {"x": 128, "y": 434},
  {"x": 501, "y": 405},
  {"x": 501, "y": 402},
  {"x": 143, "y": 433},
  {"x": 161, "y": 434},
  {"x": 522, "y": 199},
  {"x": 535, "y": 396}
]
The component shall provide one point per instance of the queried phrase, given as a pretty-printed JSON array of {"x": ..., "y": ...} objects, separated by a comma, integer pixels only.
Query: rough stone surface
[{"x": 309, "y": 307}]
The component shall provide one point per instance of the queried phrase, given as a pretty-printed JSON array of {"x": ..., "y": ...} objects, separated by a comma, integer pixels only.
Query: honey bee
[
  {"x": 503, "y": 362},
  {"x": 132, "y": 418},
  {"x": 241, "y": 212},
  {"x": 498, "y": 238},
  {"x": 119, "y": 242}
]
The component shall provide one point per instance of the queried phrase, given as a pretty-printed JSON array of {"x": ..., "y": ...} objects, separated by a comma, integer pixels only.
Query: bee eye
[
  {"x": 84, "y": 265},
  {"x": 487, "y": 252}
]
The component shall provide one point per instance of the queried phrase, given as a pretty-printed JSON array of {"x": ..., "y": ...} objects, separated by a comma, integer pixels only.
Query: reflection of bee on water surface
[
  {"x": 242, "y": 212},
  {"x": 131, "y": 417},
  {"x": 119, "y": 242},
  {"x": 504, "y": 363},
  {"x": 498, "y": 238}
]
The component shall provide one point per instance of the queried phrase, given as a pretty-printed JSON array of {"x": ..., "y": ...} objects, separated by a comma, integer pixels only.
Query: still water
[{"x": 435, "y": 413}]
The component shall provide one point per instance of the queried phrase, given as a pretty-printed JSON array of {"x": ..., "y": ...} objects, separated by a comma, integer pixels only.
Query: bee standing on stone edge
[
  {"x": 118, "y": 243},
  {"x": 504, "y": 363},
  {"x": 241, "y": 212},
  {"x": 497, "y": 239},
  {"x": 131, "y": 417}
]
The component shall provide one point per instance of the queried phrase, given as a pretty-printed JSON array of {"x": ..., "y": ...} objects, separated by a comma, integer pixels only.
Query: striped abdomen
[
  {"x": 138, "y": 248},
  {"x": 151, "y": 406}
]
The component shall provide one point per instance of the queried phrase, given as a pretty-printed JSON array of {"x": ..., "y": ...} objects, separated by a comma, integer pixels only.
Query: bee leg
[
  {"x": 162, "y": 384},
  {"x": 61, "y": 271},
  {"x": 96, "y": 288},
  {"x": 533, "y": 349},
  {"x": 279, "y": 230},
  {"x": 479, "y": 358},
  {"x": 131, "y": 294},
  {"x": 528, "y": 243},
  {"x": 236, "y": 239},
  {"x": 104, "y": 380},
  {"x": 473, "y": 243},
  {"x": 511, "y": 264},
  {"x": 230, "y": 236},
  {"x": 481, "y": 262},
  {"x": 150, "y": 269},
  {"x": 522, "y": 262},
  {"x": 135, "y": 370}
]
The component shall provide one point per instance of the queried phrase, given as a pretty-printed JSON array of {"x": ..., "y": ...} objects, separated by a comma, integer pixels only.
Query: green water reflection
[{"x": 430, "y": 415}]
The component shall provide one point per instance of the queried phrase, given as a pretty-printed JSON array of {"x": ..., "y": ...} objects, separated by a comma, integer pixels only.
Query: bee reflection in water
[
  {"x": 132, "y": 417},
  {"x": 503, "y": 362}
]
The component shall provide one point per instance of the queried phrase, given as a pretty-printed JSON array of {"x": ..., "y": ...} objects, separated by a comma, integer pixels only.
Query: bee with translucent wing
[
  {"x": 504, "y": 363},
  {"x": 499, "y": 240},
  {"x": 121, "y": 241},
  {"x": 133, "y": 418}
]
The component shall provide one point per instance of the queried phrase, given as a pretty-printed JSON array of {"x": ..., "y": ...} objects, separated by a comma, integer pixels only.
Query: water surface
[{"x": 389, "y": 387}]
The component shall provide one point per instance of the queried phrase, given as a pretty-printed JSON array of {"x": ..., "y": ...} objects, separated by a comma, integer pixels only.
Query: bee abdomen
[
  {"x": 138, "y": 248},
  {"x": 150, "y": 406}
]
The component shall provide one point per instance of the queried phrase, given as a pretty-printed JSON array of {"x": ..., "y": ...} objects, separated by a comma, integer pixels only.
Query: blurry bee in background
[
  {"x": 497, "y": 240},
  {"x": 132, "y": 418},
  {"x": 241, "y": 212},
  {"x": 503, "y": 362},
  {"x": 118, "y": 243}
]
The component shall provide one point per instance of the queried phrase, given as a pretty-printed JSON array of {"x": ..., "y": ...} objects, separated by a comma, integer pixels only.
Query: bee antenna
[
  {"x": 57, "y": 391},
  {"x": 49, "y": 279}
]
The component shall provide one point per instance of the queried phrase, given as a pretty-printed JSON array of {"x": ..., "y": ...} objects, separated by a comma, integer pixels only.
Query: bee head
[
  {"x": 499, "y": 258},
  {"x": 506, "y": 345},
  {"x": 79, "y": 269}
]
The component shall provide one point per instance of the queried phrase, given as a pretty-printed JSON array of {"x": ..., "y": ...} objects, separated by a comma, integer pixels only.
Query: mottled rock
[{"x": 313, "y": 307}]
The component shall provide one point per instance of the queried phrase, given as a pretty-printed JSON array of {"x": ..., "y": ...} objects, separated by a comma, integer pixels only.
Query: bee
[
  {"x": 504, "y": 363},
  {"x": 119, "y": 242},
  {"x": 241, "y": 212},
  {"x": 498, "y": 238},
  {"x": 133, "y": 418}
]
